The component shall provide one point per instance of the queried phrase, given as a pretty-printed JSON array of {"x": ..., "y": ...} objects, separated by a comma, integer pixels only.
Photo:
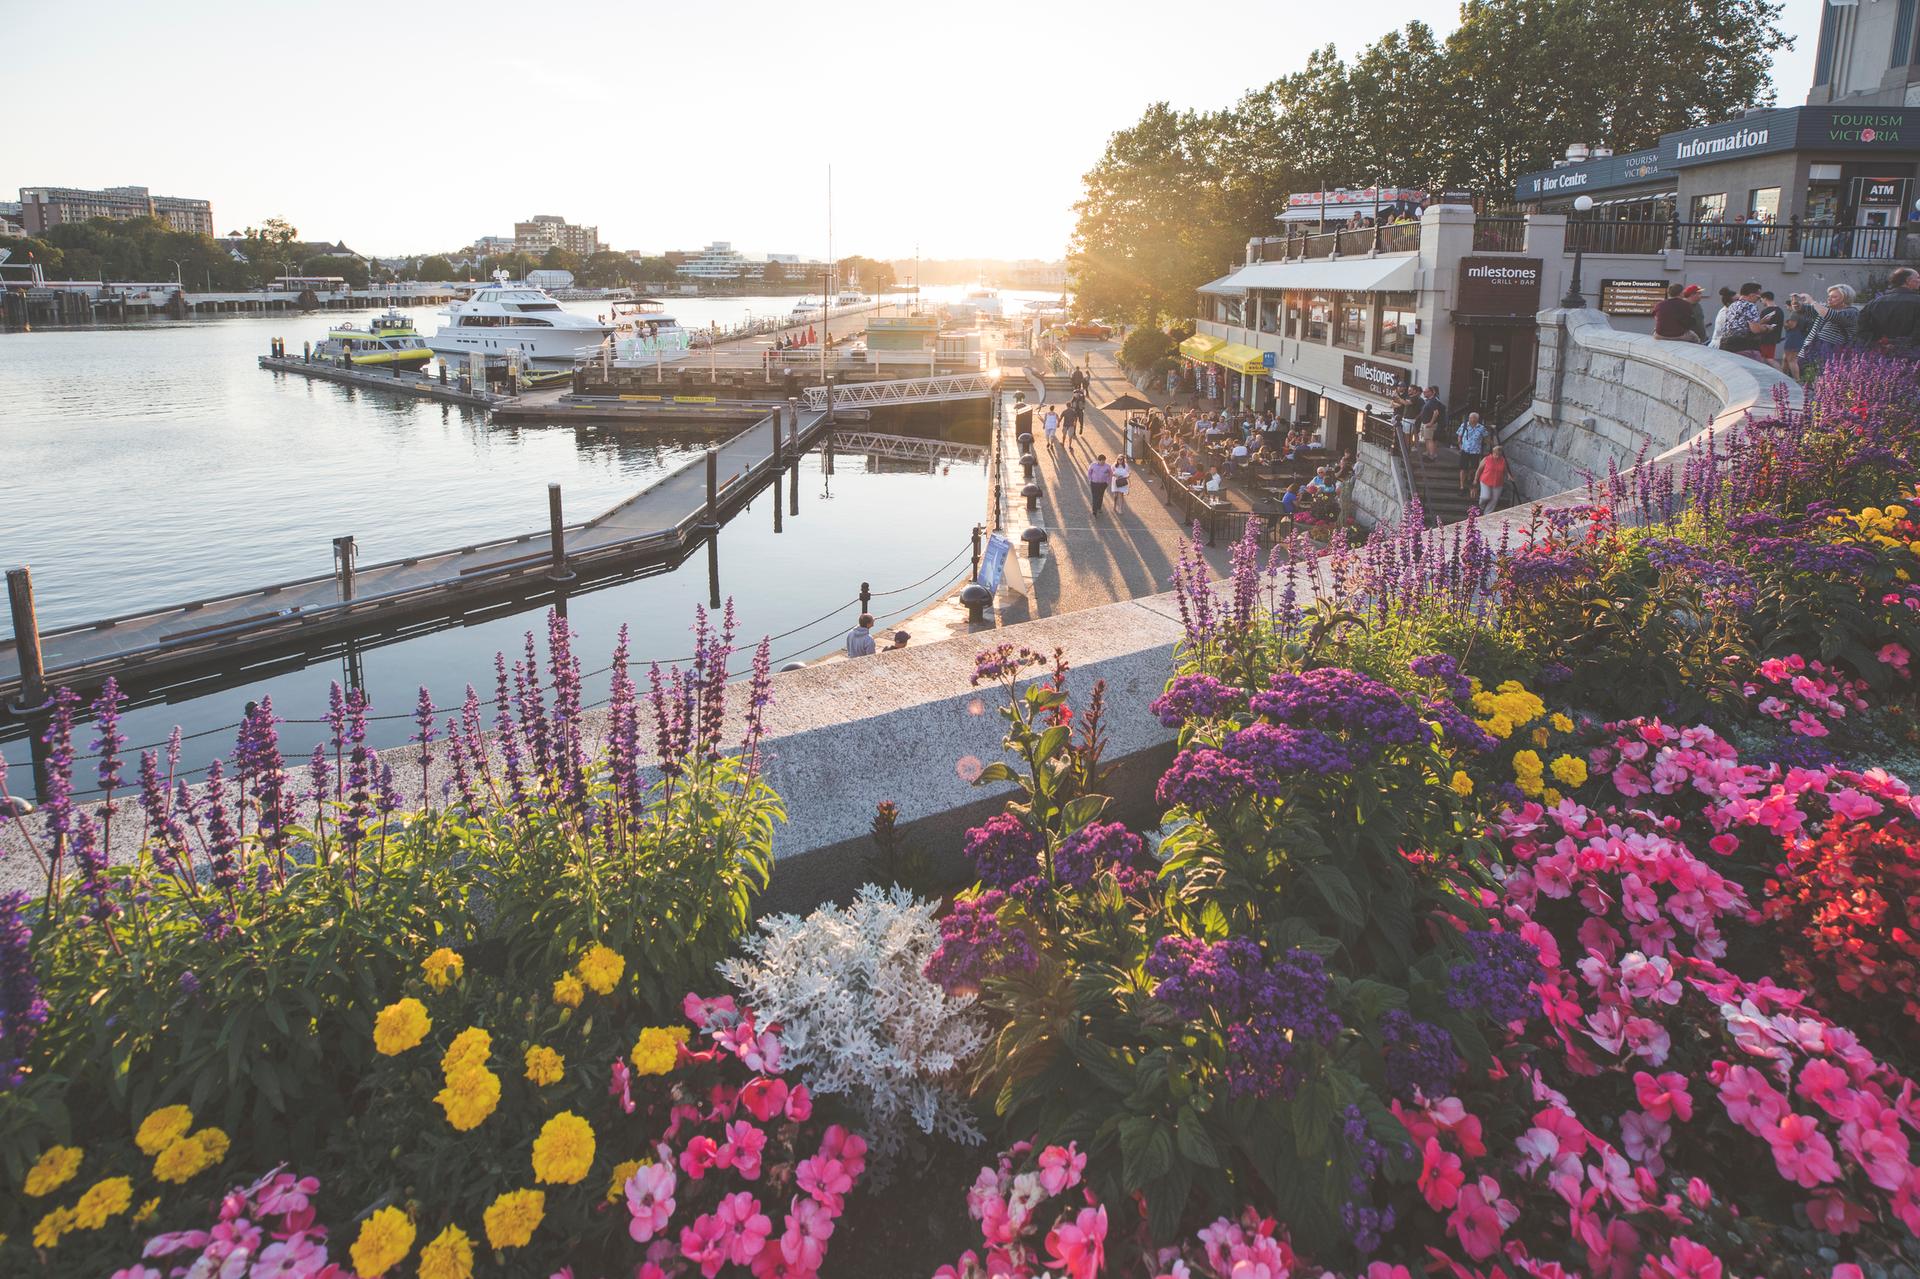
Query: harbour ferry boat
[
  {"x": 503, "y": 317},
  {"x": 645, "y": 334},
  {"x": 388, "y": 340}
]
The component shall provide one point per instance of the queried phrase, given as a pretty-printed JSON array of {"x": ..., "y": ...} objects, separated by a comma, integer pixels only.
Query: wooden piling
[
  {"x": 26, "y": 637},
  {"x": 343, "y": 565},
  {"x": 559, "y": 572},
  {"x": 713, "y": 488}
]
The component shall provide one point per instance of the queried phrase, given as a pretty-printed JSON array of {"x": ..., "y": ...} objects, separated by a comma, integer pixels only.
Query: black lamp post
[{"x": 1573, "y": 299}]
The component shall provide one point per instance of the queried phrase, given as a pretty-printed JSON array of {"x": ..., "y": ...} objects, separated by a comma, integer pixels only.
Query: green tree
[
  {"x": 874, "y": 276},
  {"x": 775, "y": 274},
  {"x": 433, "y": 267},
  {"x": 559, "y": 259},
  {"x": 28, "y": 249}
]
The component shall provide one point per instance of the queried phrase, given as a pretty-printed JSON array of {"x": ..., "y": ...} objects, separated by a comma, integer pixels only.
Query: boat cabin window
[{"x": 537, "y": 306}]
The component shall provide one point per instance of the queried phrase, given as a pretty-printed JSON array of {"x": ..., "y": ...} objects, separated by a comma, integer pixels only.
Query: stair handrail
[{"x": 1416, "y": 480}]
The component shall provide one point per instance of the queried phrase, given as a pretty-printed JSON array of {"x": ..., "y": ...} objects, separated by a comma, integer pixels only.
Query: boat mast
[{"x": 828, "y": 292}]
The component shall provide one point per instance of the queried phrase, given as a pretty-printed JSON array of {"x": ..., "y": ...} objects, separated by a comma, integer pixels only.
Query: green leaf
[
  {"x": 1337, "y": 890},
  {"x": 996, "y": 772},
  {"x": 1194, "y": 1141},
  {"x": 1146, "y": 1150},
  {"x": 1104, "y": 1064},
  {"x": 1051, "y": 741},
  {"x": 1078, "y": 812},
  {"x": 1374, "y": 997}
]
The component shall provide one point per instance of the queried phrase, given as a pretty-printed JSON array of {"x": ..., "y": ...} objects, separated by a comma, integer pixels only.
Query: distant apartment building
[
  {"x": 719, "y": 261},
  {"x": 491, "y": 246},
  {"x": 546, "y": 231},
  {"x": 43, "y": 208}
]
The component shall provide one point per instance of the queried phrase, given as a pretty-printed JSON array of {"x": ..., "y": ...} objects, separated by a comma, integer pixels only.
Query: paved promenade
[{"x": 1127, "y": 552}]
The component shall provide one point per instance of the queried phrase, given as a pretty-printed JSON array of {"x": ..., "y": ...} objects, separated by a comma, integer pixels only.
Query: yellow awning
[
  {"x": 1236, "y": 357},
  {"x": 1201, "y": 346}
]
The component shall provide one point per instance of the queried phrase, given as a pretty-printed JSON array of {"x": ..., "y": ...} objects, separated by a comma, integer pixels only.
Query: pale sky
[{"x": 408, "y": 128}]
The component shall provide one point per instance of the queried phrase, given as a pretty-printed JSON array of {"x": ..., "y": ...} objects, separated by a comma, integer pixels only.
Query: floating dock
[
  {"x": 653, "y": 530},
  {"x": 418, "y": 385}
]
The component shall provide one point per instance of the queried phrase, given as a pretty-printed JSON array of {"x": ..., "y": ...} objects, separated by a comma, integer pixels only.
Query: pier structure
[{"x": 653, "y": 531}]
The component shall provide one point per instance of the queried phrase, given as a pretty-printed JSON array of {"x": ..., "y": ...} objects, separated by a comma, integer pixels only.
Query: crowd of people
[
  {"x": 1206, "y": 448},
  {"x": 1795, "y": 335}
]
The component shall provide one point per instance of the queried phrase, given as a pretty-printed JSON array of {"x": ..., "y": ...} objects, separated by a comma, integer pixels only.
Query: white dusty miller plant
[{"x": 858, "y": 1017}]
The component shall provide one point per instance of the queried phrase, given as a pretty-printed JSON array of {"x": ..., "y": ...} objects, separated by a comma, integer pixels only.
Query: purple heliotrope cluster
[
  {"x": 1445, "y": 669},
  {"x": 1267, "y": 1009},
  {"x": 1096, "y": 847},
  {"x": 975, "y": 944},
  {"x": 1419, "y": 1055},
  {"x": 1192, "y": 697},
  {"x": 1335, "y": 700},
  {"x": 1722, "y": 584},
  {"x": 1003, "y": 850},
  {"x": 1496, "y": 980},
  {"x": 22, "y": 1010}
]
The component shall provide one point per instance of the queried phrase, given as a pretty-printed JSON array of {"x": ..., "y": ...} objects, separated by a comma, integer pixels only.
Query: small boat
[{"x": 387, "y": 340}]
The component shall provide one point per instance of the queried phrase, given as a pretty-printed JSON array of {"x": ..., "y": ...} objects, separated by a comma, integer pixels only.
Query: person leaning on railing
[
  {"x": 1676, "y": 315},
  {"x": 1836, "y": 327}
]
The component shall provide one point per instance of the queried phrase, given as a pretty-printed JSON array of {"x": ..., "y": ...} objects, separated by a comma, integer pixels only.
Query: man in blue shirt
[{"x": 1473, "y": 447}]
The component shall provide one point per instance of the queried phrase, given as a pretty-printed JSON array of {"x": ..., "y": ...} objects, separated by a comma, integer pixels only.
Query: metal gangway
[
  {"x": 906, "y": 448},
  {"x": 918, "y": 390}
]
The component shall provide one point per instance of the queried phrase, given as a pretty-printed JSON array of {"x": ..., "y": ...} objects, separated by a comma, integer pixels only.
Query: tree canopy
[{"x": 1174, "y": 197}]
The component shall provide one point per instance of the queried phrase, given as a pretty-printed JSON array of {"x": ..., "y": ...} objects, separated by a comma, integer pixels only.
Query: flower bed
[{"x": 1540, "y": 906}]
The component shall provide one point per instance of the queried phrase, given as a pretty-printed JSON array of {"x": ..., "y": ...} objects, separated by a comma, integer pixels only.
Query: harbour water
[{"x": 155, "y": 463}]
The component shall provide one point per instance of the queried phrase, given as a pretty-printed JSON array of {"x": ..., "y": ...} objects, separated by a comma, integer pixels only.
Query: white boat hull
[{"x": 534, "y": 345}]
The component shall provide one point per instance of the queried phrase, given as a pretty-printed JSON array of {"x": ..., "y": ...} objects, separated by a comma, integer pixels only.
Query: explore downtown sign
[{"x": 1868, "y": 129}]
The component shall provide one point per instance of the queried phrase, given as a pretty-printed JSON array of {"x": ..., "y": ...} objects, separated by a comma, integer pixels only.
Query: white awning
[
  {"x": 1335, "y": 212},
  {"x": 1338, "y": 394},
  {"x": 1224, "y": 287},
  {"x": 1358, "y": 275}
]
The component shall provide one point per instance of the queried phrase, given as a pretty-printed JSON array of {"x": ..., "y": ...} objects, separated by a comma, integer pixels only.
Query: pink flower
[
  {"x": 1801, "y": 1151},
  {"x": 799, "y": 1104},
  {"x": 1440, "y": 1176},
  {"x": 1476, "y": 1220},
  {"x": 1664, "y": 1097},
  {"x": 1847, "y": 1270},
  {"x": 298, "y": 1257},
  {"x": 621, "y": 1085},
  {"x": 1686, "y": 1259},
  {"x": 745, "y": 1227},
  {"x": 1836, "y": 1214},
  {"x": 742, "y": 1151},
  {"x": 825, "y": 1178},
  {"x": 1851, "y": 805},
  {"x": 1807, "y": 724},
  {"x": 848, "y": 1147},
  {"x": 176, "y": 1241},
  {"x": 1828, "y": 1087},
  {"x": 764, "y": 1098},
  {"x": 705, "y": 1243},
  {"x": 138, "y": 1272},
  {"x": 1079, "y": 1246},
  {"x": 1644, "y": 1138},
  {"x": 701, "y": 1154},
  {"x": 287, "y": 1194},
  {"x": 1750, "y": 1100},
  {"x": 650, "y": 1200},
  {"x": 1061, "y": 1169},
  {"x": 771, "y": 1265},
  {"x": 757, "y": 1051},
  {"x": 702, "y": 1011},
  {"x": 804, "y": 1244},
  {"x": 1897, "y": 657}
]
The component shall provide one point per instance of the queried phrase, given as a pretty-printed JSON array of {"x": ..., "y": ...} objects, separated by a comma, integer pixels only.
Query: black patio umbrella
[{"x": 1127, "y": 403}]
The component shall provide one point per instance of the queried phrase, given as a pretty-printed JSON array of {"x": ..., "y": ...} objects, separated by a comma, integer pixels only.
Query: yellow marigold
[
  {"x": 601, "y": 968},
  {"x": 544, "y": 1065},
  {"x": 1570, "y": 770},
  {"x": 146, "y": 1212},
  {"x": 162, "y": 1128},
  {"x": 1541, "y": 737},
  {"x": 568, "y": 992},
  {"x": 449, "y": 1256},
  {"x": 1483, "y": 702},
  {"x": 471, "y": 1047},
  {"x": 385, "y": 1239},
  {"x": 1561, "y": 724},
  {"x": 514, "y": 1216},
  {"x": 1531, "y": 787},
  {"x": 1461, "y": 783},
  {"x": 1499, "y": 725},
  {"x": 48, "y": 1232},
  {"x": 190, "y": 1156},
  {"x": 443, "y": 968},
  {"x": 53, "y": 1170},
  {"x": 655, "y": 1052},
  {"x": 563, "y": 1152},
  {"x": 106, "y": 1198},
  {"x": 1527, "y": 764},
  {"x": 617, "y": 1183},
  {"x": 400, "y": 1026},
  {"x": 469, "y": 1097},
  {"x": 1549, "y": 796}
]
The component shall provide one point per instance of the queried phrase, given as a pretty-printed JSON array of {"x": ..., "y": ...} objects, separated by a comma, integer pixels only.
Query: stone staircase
[{"x": 1437, "y": 484}]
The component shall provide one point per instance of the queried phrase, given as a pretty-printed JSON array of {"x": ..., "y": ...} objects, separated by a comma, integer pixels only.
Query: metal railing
[
  {"x": 1736, "y": 239},
  {"x": 1499, "y": 235}
]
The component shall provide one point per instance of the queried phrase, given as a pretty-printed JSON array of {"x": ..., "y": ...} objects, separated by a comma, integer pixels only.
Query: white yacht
[
  {"x": 504, "y": 318},
  {"x": 646, "y": 334},
  {"x": 851, "y": 297},
  {"x": 804, "y": 310}
]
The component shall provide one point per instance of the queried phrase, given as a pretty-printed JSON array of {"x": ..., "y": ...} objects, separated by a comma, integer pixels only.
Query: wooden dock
[
  {"x": 659, "y": 526},
  {"x": 420, "y": 386}
]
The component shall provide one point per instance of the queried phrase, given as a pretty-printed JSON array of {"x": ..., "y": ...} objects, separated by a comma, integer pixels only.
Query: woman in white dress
[{"x": 1118, "y": 488}]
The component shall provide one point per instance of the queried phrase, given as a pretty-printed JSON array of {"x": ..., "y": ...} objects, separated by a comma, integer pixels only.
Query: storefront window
[
  {"x": 1227, "y": 310},
  {"x": 1708, "y": 208},
  {"x": 1319, "y": 318},
  {"x": 1350, "y": 321},
  {"x": 1269, "y": 313},
  {"x": 1395, "y": 335},
  {"x": 1765, "y": 201},
  {"x": 1295, "y": 306}
]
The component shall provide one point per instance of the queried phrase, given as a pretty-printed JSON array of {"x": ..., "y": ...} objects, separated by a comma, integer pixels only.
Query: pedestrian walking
[
  {"x": 1099, "y": 475},
  {"x": 1493, "y": 478},
  {"x": 1835, "y": 329},
  {"x": 1800, "y": 319},
  {"x": 860, "y": 638},
  {"x": 1895, "y": 315},
  {"x": 1473, "y": 447},
  {"x": 1433, "y": 416},
  {"x": 1121, "y": 474},
  {"x": 1051, "y": 424},
  {"x": 1343, "y": 493}
]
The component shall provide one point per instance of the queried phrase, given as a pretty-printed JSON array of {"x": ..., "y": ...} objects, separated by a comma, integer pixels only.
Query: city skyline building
[
  {"x": 546, "y": 231},
  {"x": 43, "y": 208}
]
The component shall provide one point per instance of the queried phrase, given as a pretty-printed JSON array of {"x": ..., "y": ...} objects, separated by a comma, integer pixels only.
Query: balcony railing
[
  {"x": 1735, "y": 240},
  {"x": 1499, "y": 235}
]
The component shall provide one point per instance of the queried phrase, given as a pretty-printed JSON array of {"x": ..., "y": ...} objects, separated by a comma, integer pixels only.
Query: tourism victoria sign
[
  {"x": 1374, "y": 377},
  {"x": 1498, "y": 286}
]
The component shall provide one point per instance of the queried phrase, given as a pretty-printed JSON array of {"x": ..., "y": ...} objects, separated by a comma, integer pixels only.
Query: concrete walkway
[{"x": 1128, "y": 551}]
